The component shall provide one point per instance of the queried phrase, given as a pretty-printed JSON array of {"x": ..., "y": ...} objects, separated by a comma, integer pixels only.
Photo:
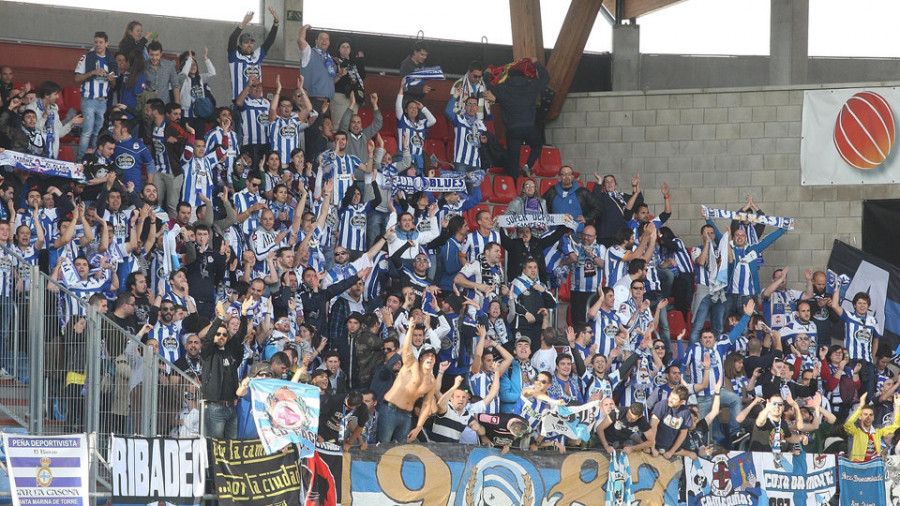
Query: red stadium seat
[
  {"x": 524, "y": 152},
  {"x": 490, "y": 125},
  {"x": 441, "y": 129},
  {"x": 565, "y": 290},
  {"x": 389, "y": 123},
  {"x": 436, "y": 147},
  {"x": 390, "y": 144},
  {"x": 366, "y": 115},
  {"x": 591, "y": 185},
  {"x": 677, "y": 323},
  {"x": 487, "y": 189},
  {"x": 66, "y": 153},
  {"x": 497, "y": 211},
  {"x": 504, "y": 190},
  {"x": 72, "y": 97},
  {"x": 549, "y": 163},
  {"x": 546, "y": 184},
  {"x": 472, "y": 213},
  {"x": 497, "y": 170}
]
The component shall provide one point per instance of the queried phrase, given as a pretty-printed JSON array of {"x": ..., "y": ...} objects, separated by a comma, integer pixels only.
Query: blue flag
[
  {"x": 862, "y": 482},
  {"x": 285, "y": 413}
]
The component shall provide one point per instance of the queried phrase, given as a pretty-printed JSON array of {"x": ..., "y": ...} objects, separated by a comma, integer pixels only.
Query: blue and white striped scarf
[
  {"x": 421, "y": 75},
  {"x": 522, "y": 284},
  {"x": 769, "y": 221}
]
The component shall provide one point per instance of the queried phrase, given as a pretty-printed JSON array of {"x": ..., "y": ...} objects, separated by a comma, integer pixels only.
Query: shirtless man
[{"x": 414, "y": 380}]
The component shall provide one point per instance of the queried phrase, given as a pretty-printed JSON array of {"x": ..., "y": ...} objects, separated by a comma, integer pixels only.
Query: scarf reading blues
[
  {"x": 544, "y": 220},
  {"x": 421, "y": 75},
  {"x": 769, "y": 221},
  {"x": 409, "y": 184},
  {"x": 42, "y": 165},
  {"x": 285, "y": 413}
]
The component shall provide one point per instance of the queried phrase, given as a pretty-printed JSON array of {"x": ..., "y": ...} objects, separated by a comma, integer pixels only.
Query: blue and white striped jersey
[
  {"x": 681, "y": 256},
  {"x": 169, "y": 338},
  {"x": 779, "y": 308},
  {"x": 97, "y": 86},
  {"x": 352, "y": 228},
  {"x": 199, "y": 176},
  {"x": 702, "y": 271},
  {"x": 244, "y": 200},
  {"x": 859, "y": 334},
  {"x": 339, "y": 168},
  {"x": 586, "y": 276},
  {"x": 378, "y": 277},
  {"x": 606, "y": 326},
  {"x": 121, "y": 224},
  {"x": 284, "y": 135},
  {"x": 31, "y": 258},
  {"x": 693, "y": 360},
  {"x": 415, "y": 130},
  {"x": 8, "y": 264},
  {"x": 242, "y": 66},
  {"x": 160, "y": 157},
  {"x": 467, "y": 137},
  {"x": 480, "y": 385},
  {"x": 475, "y": 243},
  {"x": 638, "y": 326},
  {"x": 557, "y": 252},
  {"x": 81, "y": 290},
  {"x": 25, "y": 218},
  {"x": 255, "y": 121},
  {"x": 215, "y": 140},
  {"x": 614, "y": 265}
]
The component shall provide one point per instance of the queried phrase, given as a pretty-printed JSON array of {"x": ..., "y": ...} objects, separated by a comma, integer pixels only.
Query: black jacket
[
  {"x": 518, "y": 96},
  {"x": 517, "y": 252},
  {"x": 612, "y": 216},
  {"x": 220, "y": 378},
  {"x": 314, "y": 303}
]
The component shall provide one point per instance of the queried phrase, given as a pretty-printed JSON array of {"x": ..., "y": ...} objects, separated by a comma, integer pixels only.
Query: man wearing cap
[
  {"x": 520, "y": 375},
  {"x": 318, "y": 68},
  {"x": 245, "y": 60}
]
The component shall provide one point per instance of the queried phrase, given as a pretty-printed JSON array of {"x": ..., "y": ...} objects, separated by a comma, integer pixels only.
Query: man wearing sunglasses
[{"x": 771, "y": 432}]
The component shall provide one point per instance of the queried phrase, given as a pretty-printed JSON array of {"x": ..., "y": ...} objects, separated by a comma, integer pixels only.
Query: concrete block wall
[{"x": 714, "y": 147}]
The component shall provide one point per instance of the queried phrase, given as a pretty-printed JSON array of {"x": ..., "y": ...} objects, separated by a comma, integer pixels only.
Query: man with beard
[
  {"x": 819, "y": 294},
  {"x": 190, "y": 361},
  {"x": 168, "y": 330},
  {"x": 123, "y": 314},
  {"x": 136, "y": 284}
]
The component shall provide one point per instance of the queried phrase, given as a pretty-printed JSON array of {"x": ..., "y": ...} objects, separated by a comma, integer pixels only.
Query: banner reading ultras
[
  {"x": 848, "y": 136},
  {"x": 246, "y": 475},
  {"x": 47, "y": 470},
  {"x": 150, "y": 470}
]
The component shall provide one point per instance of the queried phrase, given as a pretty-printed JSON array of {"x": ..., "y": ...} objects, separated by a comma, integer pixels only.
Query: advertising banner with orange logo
[{"x": 849, "y": 136}]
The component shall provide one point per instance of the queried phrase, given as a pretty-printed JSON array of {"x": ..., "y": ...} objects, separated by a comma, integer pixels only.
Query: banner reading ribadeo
[{"x": 148, "y": 470}]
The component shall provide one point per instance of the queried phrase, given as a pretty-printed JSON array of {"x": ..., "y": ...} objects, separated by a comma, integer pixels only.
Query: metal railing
[{"x": 85, "y": 373}]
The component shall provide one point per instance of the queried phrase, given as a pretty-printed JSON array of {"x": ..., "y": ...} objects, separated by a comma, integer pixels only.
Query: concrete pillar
[
  {"x": 788, "y": 42},
  {"x": 626, "y": 58},
  {"x": 291, "y": 22}
]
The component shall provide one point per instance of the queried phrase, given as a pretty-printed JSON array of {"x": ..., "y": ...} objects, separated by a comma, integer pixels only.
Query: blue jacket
[
  {"x": 510, "y": 388},
  {"x": 739, "y": 253}
]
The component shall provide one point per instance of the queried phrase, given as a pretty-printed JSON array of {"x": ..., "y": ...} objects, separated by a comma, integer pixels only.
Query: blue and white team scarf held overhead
[
  {"x": 41, "y": 165},
  {"x": 421, "y": 75},
  {"x": 546, "y": 220},
  {"x": 769, "y": 221}
]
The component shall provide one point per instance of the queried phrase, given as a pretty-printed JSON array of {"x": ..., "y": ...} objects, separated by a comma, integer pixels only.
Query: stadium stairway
[{"x": 13, "y": 404}]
